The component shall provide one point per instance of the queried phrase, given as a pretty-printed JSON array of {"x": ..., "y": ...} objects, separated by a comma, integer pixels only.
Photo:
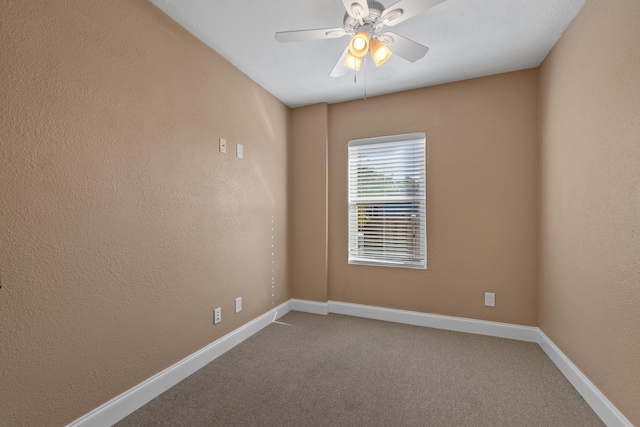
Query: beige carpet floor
[{"x": 345, "y": 371}]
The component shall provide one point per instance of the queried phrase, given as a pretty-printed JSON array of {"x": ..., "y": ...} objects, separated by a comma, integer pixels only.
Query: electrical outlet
[
  {"x": 217, "y": 316},
  {"x": 489, "y": 299},
  {"x": 223, "y": 145},
  {"x": 238, "y": 304}
]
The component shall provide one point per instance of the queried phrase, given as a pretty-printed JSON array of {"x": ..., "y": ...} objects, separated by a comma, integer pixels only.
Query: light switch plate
[
  {"x": 238, "y": 304},
  {"x": 223, "y": 145},
  {"x": 239, "y": 151}
]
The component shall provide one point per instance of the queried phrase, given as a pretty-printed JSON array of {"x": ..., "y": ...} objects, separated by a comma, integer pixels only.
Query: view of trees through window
[{"x": 387, "y": 203}]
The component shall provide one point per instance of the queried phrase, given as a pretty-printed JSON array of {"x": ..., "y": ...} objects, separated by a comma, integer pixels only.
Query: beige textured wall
[
  {"x": 121, "y": 225},
  {"x": 308, "y": 202},
  {"x": 590, "y": 198},
  {"x": 482, "y": 144}
]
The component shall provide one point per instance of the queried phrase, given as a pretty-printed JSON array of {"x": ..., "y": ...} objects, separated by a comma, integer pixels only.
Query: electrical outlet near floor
[
  {"x": 238, "y": 304},
  {"x": 489, "y": 299},
  {"x": 217, "y": 315}
]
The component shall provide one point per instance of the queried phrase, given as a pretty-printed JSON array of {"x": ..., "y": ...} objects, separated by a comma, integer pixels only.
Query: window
[{"x": 387, "y": 207}]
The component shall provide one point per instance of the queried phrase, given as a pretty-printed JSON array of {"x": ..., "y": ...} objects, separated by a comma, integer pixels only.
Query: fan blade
[
  {"x": 303, "y": 35},
  {"x": 339, "y": 69},
  {"x": 357, "y": 9},
  {"x": 405, "y": 9},
  {"x": 403, "y": 47}
]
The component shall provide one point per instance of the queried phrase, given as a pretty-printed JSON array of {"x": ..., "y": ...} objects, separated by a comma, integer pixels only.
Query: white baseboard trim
[
  {"x": 607, "y": 412},
  {"x": 312, "y": 307},
  {"x": 129, "y": 401},
  {"x": 481, "y": 327},
  {"x": 132, "y": 399}
]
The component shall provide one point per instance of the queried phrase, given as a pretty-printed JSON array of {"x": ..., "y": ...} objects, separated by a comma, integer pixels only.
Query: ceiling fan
[{"x": 365, "y": 22}]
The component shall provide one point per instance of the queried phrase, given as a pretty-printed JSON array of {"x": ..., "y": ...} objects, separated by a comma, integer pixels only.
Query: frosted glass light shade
[
  {"x": 359, "y": 45},
  {"x": 352, "y": 62},
  {"x": 379, "y": 52}
]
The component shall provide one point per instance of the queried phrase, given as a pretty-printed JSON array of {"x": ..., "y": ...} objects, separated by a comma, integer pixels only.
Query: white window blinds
[{"x": 387, "y": 208}]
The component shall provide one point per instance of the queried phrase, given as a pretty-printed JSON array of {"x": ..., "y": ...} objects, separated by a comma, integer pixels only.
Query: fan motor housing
[{"x": 373, "y": 20}]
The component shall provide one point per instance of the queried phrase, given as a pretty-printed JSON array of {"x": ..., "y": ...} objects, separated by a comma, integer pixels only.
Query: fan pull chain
[{"x": 365, "y": 78}]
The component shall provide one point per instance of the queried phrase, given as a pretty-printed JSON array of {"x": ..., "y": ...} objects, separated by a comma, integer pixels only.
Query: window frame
[{"x": 356, "y": 254}]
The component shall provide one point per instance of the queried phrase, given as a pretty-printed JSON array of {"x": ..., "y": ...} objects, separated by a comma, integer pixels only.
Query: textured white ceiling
[{"x": 467, "y": 39}]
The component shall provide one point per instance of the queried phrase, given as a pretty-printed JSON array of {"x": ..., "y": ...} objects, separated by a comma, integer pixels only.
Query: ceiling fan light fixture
[
  {"x": 379, "y": 52},
  {"x": 359, "y": 45},
  {"x": 352, "y": 62}
]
